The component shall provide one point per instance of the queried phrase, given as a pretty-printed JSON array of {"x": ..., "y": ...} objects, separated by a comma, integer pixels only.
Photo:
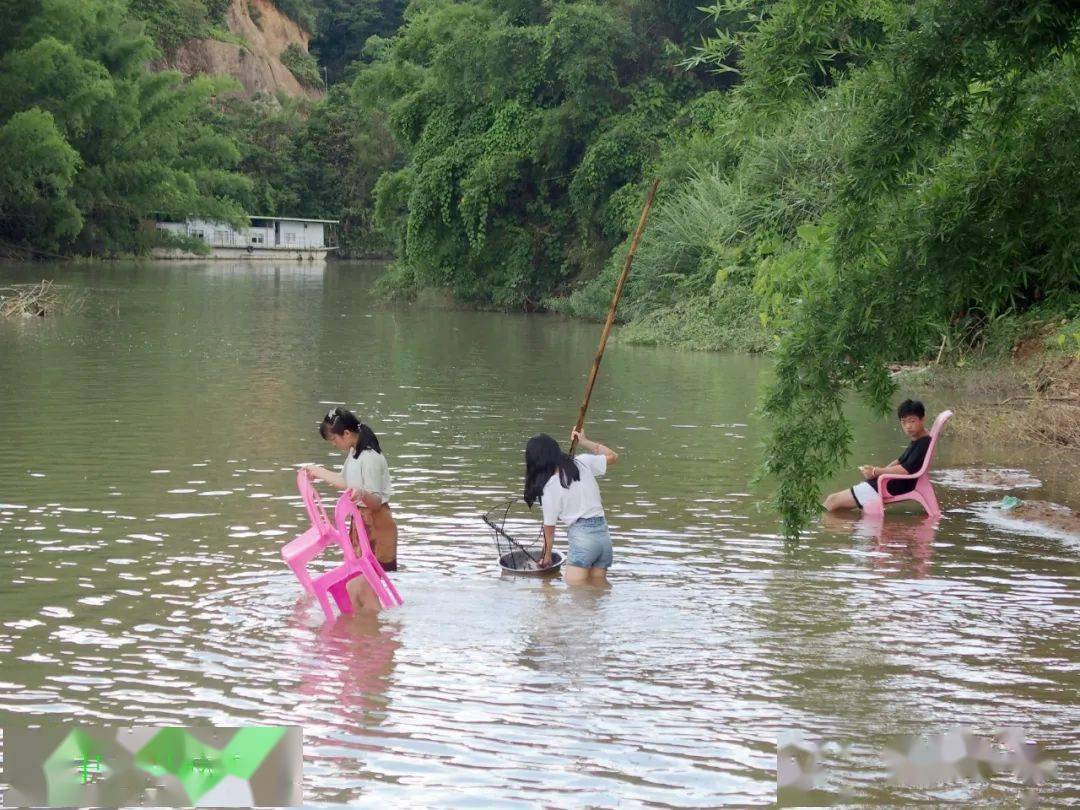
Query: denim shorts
[{"x": 590, "y": 543}]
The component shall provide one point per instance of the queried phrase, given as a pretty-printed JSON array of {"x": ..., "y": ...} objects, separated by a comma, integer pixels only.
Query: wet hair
[
  {"x": 911, "y": 407},
  {"x": 543, "y": 457},
  {"x": 340, "y": 420}
]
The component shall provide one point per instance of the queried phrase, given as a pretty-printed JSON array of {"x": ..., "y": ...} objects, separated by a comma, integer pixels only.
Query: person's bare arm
[
  {"x": 549, "y": 541},
  {"x": 870, "y": 471},
  {"x": 590, "y": 446},
  {"x": 892, "y": 468},
  {"x": 318, "y": 473}
]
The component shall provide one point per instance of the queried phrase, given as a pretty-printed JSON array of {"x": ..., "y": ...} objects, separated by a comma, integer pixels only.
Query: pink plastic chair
[
  {"x": 924, "y": 490},
  {"x": 333, "y": 583},
  {"x": 309, "y": 545},
  {"x": 367, "y": 563}
]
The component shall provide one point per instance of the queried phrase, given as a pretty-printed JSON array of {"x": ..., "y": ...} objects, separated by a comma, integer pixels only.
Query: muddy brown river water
[{"x": 148, "y": 445}]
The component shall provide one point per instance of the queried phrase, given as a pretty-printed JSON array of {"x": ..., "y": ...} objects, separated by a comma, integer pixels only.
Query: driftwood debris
[{"x": 30, "y": 300}]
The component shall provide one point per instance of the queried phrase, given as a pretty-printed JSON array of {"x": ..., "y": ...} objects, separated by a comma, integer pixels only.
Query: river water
[{"x": 148, "y": 447}]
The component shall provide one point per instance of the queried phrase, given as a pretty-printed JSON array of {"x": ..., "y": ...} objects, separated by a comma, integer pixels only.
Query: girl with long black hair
[
  {"x": 567, "y": 490},
  {"x": 365, "y": 472}
]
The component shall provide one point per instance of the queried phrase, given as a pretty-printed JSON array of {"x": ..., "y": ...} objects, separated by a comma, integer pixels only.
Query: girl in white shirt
[
  {"x": 567, "y": 490},
  {"x": 365, "y": 472}
]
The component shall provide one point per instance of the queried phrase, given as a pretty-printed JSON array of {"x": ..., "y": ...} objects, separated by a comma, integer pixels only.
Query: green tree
[
  {"x": 344, "y": 27},
  {"x": 337, "y": 158},
  {"x": 37, "y": 170},
  {"x": 140, "y": 145},
  {"x": 526, "y": 128}
]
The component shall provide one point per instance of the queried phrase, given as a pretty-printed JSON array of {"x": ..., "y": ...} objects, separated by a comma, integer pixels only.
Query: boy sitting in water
[{"x": 911, "y": 414}]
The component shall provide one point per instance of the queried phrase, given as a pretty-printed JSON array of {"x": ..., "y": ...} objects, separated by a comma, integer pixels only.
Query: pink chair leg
[
  {"x": 301, "y": 574},
  {"x": 389, "y": 594},
  {"x": 928, "y": 497},
  {"x": 340, "y": 592},
  {"x": 395, "y": 597},
  {"x": 391, "y": 590},
  {"x": 324, "y": 601}
]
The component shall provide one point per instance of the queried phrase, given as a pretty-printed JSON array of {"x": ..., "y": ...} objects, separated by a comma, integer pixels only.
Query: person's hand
[
  {"x": 577, "y": 436},
  {"x": 867, "y": 471},
  {"x": 310, "y": 470},
  {"x": 545, "y": 559}
]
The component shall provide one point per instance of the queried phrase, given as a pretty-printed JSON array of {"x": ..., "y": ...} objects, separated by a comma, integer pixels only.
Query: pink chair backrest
[
  {"x": 313, "y": 503},
  {"x": 935, "y": 434},
  {"x": 343, "y": 510}
]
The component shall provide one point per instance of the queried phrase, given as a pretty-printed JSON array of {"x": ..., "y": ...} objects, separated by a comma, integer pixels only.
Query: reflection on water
[
  {"x": 147, "y": 458},
  {"x": 899, "y": 545}
]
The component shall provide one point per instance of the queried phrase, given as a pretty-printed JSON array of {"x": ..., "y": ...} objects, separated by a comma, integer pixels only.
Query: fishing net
[{"x": 519, "y": 542}]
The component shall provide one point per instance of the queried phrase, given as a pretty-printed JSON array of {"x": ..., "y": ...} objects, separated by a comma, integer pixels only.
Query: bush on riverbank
[{"x": 1022, "y": 387}]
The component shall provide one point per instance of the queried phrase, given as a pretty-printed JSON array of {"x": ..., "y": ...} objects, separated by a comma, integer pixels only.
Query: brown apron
[{"x": 383, "y": 533}]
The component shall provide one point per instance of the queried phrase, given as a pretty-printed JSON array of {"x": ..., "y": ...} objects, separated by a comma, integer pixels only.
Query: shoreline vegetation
[{"x": 844, "y": 185}]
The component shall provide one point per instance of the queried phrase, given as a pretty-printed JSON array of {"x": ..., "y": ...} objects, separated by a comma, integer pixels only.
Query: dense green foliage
[
  {"x": 344, "y": 28},
  {"x": 171, "y": 22},
  {"x": 527, "y": 127},
  {"x": 340, "y": 155},
  {"x": 91, "y": 143}
]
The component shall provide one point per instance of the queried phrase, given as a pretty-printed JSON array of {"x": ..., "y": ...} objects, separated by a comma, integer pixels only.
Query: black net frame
[{"x": 517, "y": 554}]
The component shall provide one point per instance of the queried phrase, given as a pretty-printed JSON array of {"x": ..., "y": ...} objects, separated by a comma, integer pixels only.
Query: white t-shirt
[
  {"x": 370, "y": 473},
  {"x": 581, "y": 500}
]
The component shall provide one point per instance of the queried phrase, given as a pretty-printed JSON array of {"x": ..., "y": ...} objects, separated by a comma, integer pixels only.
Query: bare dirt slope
[{"x": 257, "y": 66}]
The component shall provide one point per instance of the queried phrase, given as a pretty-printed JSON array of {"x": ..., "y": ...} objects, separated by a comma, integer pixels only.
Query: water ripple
[{"x": 136, "y": 593}]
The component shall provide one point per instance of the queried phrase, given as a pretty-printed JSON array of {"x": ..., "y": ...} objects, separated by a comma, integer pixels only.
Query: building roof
[
  {"x": 293, "y": 219},
  {"x": 259, "y": 216}
]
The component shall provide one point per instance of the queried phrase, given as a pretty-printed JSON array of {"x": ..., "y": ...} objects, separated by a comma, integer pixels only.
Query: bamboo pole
[{"x": 611, "y": 312}]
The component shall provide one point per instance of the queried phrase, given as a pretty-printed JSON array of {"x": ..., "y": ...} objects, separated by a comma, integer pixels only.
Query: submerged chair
[
  {"x": 309, "y": 545},
  {"x": 924, "y": 490},
  {"x": 325, "y": 533},
  {"x": 333, "y": 583},
  {"x": 367, "y": 563}
]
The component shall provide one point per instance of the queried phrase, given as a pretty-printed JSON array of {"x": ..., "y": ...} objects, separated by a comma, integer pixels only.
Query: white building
[{"x": 267, "y": 237}]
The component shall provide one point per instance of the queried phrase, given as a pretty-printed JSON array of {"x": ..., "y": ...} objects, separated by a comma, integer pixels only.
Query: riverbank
[
  {"x": 1019, "y": 387},
  {"x": 1031, "y": 399}
]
